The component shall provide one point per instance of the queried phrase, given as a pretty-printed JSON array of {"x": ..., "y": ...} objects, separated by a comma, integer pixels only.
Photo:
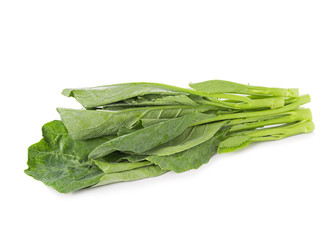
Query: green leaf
[
  {"x": 191, "y": 137},
  {"x": 234, "y": 143},
  {"x": 62, "y": 163},
  {"x": 86, "y": 124},
  {"x": 144, "y": 139},
  {"x": 131, "y": 175},
  {"x": 125, "y": 130},
  {"x": 189, "y": 159},
  {"x": 154, "y": 100},
  {"x": 103, "y": 95},
  {"x": 111, "y": 167}
]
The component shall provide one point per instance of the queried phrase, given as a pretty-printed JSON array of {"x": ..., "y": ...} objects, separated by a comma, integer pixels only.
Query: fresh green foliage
[
  {"x": 85, "y": 124},
  {"x": 62, "y": 163},
  {"x": 191, "y": 158},
  {"x": 103, "y": 95},
  {"x": 191, "y": 137},
  {"x": 136, "y": 142},
  {"x": 132, "y": 131},
  {"x": 154, "y": 100},
  {"x": 106, "y": 95}
]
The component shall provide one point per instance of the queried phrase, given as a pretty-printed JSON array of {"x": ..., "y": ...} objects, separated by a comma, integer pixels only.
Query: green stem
[
  {"x": 299, "y": 101},
  {"x": 222, "y": 86},
  {"x": 272, "y": 103},
  {"x": 202, "y": 94},
  {"x": 279, "y": 132},
  {"x": 252, "y": 123}
]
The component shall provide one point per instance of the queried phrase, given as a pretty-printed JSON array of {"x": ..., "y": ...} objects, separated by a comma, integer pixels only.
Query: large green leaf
[
  {"x": 62, "y": 163},
  {"x": 103, "y": 95},
  {"x": 191, "y": 158},
  {"x": 85, "y": 124},
  {"x": 144, "y": 139},
  {"x": 191, "y": 137}
]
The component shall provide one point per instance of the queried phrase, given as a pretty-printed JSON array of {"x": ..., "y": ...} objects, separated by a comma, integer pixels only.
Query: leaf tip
[{"x": 68, "y": 92}]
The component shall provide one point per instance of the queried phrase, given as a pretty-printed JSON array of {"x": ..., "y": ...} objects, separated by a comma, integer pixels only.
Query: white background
[{"x": 272, "y": 190}]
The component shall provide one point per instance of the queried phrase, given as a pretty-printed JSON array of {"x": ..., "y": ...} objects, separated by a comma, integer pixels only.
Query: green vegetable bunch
[{"x": 133, "y": 131}]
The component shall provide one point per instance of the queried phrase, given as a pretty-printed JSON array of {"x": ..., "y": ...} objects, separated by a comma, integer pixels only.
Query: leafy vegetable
[
  {"x": 63, "y": 164},
  {"x": 99, "y": 96},
  {"x": 191, "y": 158},
  {"x": 136, "y": 142},
  {"x": 133, "y": 131},
  {"x": 191, "y": 137},
  {"x": 85, "y": 124}
]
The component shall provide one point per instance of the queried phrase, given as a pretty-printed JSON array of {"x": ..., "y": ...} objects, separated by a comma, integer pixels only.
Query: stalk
[
  {"x": 238, "y": 140},
  {"x": 275, "y": 102},
  {"x": 279, "y": 132},
  {"x": 202, "y": 94},
  {"x": 252, "y": 123},
  {"x": 298, "y": 102},
  {"x": 222, "y": 86}
]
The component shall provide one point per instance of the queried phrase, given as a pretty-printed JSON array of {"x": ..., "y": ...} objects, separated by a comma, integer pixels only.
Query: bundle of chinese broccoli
[{"x": 131, "y": 131}]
